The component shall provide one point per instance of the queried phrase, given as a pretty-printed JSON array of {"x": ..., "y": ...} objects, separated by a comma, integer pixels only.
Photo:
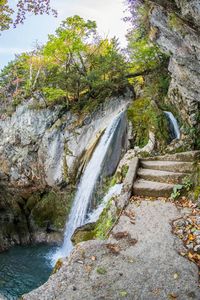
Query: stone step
[
  {"x": 172, "y": 166},
  {"x": 161, "y": 176},
  {"x": 152, "y": 189},
  {"x": 188, "y": 156}
]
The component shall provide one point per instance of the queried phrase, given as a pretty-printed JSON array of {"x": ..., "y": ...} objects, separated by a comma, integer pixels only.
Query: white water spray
[
  {"x": 112, "y": 192},
  {"x": 86, "y": 188},
  {"x": 174, "y": 124}
]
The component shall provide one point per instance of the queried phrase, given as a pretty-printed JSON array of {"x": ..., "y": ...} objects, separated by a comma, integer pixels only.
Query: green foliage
[
  {"x": 179, "y": 189},
  {"x": 51, "y": 207},
  {"x": 197, "y": 192},
  {"x": 123, "y": 293},
  {"x": 143, "y": 53},
  {"x": 101, "y": 270},
  {"x": 196, "y": 180},
  {"x": 145, "y": 116},
  {"x": 76, "y": 68},
  {"x": 105, "y": 222},
  {"x": 176, "y": 191},
  {"x": 175, "y": 23},
  {"x": 5, "y": 15},
  {"x": 139, "y": 113},
  {"x": 103, "y": 228},
  {"x": 187, "y": 183},
  {"x": 193, "y": 132},
  {"x": 148, "y": 60},
  {"x": 53, "y": 95}
]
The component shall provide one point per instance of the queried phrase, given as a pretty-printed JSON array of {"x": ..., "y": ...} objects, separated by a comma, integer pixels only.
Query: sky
[{"x": 107, "y": 13}]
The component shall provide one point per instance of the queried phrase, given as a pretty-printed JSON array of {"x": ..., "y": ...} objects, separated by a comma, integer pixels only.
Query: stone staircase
[{"x": 157, "y": 176}]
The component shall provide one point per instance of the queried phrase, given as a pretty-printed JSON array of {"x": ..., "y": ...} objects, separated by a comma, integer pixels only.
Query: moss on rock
[
  {"x": 83, "y": 233},
  {"x": 50, "y": 208},
  {"x": 146, "y": 116}
]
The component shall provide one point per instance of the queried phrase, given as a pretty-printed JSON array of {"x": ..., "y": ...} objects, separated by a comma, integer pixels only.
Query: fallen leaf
[
  {"x": 114, "y": 248},
  {"x": 130, "y": 214},
  {"x": 172, "y": 296},
  {"x": 182, "y": 253},
  {"x": 121, "y": 235},
  {"x": 191, "y": 237},
  {"x": 132, "y": 242},
  {"x": 88, "y": 268},
  {"x": 132, "y": 222}
]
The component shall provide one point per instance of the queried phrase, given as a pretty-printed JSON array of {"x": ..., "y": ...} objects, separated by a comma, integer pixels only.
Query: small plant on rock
[
  {"x": 176, "y": 191},
  {"x": 187, "y": 183},
  {"x": 179, "y": 188}
]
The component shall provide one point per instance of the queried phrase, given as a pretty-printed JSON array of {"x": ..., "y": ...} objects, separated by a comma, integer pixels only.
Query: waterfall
[
  {"x": 174, "y": 127},
  {"x": 112, "y": 192},
  {"x": 82, "y": 203}
]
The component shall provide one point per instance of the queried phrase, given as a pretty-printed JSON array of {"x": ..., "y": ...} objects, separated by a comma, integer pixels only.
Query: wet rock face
[
  {"x": 42, "y": 148},
  {"x": 13, "y": 223},
  {"x": 40, "y": 154},
  {"x": 179, "y": 37}
]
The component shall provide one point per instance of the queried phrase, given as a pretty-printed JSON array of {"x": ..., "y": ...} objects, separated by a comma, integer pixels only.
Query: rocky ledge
[{"x": 42, "y": 153}]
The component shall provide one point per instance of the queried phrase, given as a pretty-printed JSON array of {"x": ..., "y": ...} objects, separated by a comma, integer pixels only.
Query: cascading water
[
  {"x": 175, "y": 131},
  {"x": 86, "y": 188},
  {"x": 113, "y": 191}
]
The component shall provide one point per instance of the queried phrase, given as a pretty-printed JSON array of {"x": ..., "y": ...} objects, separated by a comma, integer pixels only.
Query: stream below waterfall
[{"x": 23, "y": 269}]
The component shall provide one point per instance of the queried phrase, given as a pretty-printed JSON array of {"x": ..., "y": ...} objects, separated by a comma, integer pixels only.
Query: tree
[
  {"x": 5, "y": 15},
  {"x": 145, "y": 56},
  {"x": 22, "y": 8},
  {"x": 76, "y": 68}
]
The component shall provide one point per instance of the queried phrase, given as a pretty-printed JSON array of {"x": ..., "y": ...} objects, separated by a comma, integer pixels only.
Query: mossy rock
[
  {"x": 145, "y": 116},
  {"x": 51, "y": 208},
  {"x": 83, "y": 233}
]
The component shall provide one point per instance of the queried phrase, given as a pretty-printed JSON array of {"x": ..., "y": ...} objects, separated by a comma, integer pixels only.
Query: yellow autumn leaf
[{"x": 191, "y": 237}]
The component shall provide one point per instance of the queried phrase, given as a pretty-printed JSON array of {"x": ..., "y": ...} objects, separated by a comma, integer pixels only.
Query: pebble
[
  {"x": 197, "y": 249},
  {"x": 190, "y": 246},
  {"x": 197, "y": 232},
  {"x": 180, "y": 231},
  {"x": 179, "y": 223},
  {"x": 198, "y": 241}
]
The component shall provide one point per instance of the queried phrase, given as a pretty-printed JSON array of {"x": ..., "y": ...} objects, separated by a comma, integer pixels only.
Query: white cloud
[{"x": 107, "y": 14}]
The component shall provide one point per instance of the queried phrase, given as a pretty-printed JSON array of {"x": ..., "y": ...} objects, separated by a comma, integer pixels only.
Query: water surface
[{"x": 23, "y": 269}]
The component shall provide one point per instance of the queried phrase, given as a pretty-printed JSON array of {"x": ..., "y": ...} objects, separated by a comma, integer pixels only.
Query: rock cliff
[
  {"x": 42, "y": 153},
  {"x": 177, "y": 32}
]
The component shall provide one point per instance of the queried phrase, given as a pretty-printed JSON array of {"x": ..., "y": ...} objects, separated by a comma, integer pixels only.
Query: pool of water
[{"x": 23, "y": 269}]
